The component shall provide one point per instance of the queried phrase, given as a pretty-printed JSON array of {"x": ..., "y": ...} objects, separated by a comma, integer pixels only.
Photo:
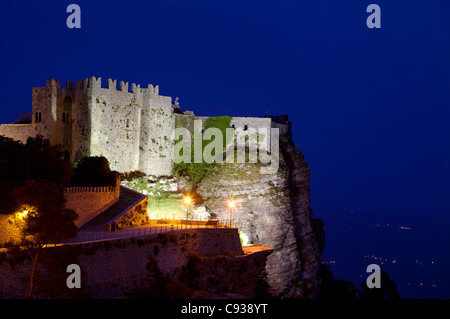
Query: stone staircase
[{"x": 103, "y": 220}]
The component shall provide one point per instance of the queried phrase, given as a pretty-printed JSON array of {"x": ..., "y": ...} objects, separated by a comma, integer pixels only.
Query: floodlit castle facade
[{"x": 131, "y": 126}]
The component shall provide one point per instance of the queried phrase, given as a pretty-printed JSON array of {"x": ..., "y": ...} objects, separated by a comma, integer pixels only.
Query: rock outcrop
[{"x": 273, "y": 210}]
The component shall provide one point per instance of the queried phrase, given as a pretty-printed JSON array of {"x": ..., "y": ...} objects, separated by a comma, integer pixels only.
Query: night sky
[{"x": 370, "y": 108}]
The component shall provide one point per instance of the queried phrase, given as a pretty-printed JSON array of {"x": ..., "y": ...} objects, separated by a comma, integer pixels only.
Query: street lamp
[
  {"x": 231, "y": 203},
  {"x": 187, "y": 200}
]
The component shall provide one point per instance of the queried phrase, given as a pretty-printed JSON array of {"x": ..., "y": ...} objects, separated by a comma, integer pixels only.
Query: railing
[
  {"x": 151, "y": 230},
  {"x": 99, "y": 189}
]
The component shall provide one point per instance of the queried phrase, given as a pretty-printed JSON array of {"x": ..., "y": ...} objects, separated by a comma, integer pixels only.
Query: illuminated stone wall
[
  {"x": 113, "y": 268},
  {"x": 88, "y": 202},
  {"x": 18, "y": 132},
  {"x": 129, "y": 125},
  {"x": 115, "y": 124}
]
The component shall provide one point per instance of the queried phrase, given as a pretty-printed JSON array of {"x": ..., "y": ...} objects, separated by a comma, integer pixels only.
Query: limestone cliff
[{"x": 273, "y": 210}]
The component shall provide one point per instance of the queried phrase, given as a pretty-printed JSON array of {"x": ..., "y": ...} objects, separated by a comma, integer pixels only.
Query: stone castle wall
[
  {"x": 246, "y": 125},
  {"x": 156, "y": 149},
  {"x": 18, "y": 132},
  {"x": 112, "y": 268},
  {"x": 88, "y": 202},
  {"x": 131, "y": 126},
  {"x": 115, "y": 125}
]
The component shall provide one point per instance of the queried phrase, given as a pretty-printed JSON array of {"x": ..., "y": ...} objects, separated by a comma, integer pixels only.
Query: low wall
[
  {"x": 18, "y": 132},
  {"x": 201, "y": 259},
  {"x": 88, "y": 202}
]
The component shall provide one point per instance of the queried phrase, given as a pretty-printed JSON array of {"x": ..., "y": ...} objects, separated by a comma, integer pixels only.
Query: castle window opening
[
  {"x": 233, "y": 126},
  {"x": 245, "y": 127},
  {"x": 64, "y": 117},
  {"x": 128, "y": 122},
  {"x": 37, "y": 117}
]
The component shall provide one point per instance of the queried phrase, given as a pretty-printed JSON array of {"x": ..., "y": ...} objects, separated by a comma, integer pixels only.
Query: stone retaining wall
[
  {"x": 110, "y": 269},
  {"x": 88, "y": 202}
]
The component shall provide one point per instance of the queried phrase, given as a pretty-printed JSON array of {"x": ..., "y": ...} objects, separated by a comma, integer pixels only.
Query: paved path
[
  {"x": 98, "y": 223},
  {"x": 85, "y": 236}
]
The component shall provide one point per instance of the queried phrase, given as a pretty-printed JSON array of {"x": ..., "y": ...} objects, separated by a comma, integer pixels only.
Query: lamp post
[
  {"x": 187, "y": 200},
  {"x": 231, "y": 203}
]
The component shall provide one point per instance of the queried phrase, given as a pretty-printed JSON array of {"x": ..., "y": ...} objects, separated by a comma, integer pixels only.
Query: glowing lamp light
[
  {"x": 22, "y": 214},
  {"x": 187, "y": 199},
  {"x": 231, "y": 203}
]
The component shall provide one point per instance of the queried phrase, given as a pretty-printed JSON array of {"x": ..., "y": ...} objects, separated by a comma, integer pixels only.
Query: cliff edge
[{"x": 273, "y": 210}]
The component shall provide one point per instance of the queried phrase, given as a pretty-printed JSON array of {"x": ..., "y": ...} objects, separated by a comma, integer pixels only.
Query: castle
[{"x": 131, "y": 126}]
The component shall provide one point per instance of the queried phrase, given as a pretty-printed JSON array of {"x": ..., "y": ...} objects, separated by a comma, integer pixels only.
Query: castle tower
[
  {"x": 131, "y": 127},
  {"x": 44, "y": 110},
  {"x": 157, "y": 127}
]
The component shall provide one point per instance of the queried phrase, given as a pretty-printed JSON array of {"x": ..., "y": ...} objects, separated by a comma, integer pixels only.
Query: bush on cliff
[{"x": 196, "y": 171}]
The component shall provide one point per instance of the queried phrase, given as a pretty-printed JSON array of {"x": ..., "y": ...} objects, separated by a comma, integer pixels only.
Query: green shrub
[{"x": 195, "y": 172}]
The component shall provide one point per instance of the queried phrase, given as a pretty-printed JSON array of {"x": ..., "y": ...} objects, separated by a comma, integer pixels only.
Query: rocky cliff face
[{"x": 273, "y": 210}]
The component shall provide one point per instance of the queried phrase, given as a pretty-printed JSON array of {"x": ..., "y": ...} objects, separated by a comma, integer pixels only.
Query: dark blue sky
[{"x": 370, "y": 107}]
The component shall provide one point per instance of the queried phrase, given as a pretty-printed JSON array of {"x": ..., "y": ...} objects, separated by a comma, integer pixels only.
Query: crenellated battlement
[
  {"x": 82, "y": 85},
  {"x": 52, "y": 83},
  {"x": 70, "y": 85},
  {"x": 96, "y": 83},
  {"x": 130, "y": 125}
]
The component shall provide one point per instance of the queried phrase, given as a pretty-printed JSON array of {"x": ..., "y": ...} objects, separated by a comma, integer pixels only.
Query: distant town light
[
  {"x": 231, "y": 203},
  {"x": 187, "y": 199}
]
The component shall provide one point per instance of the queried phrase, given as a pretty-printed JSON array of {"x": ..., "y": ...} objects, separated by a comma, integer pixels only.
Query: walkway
[
  {"x": 126, "y": 199},
  {"x": 87, "y": 236}
]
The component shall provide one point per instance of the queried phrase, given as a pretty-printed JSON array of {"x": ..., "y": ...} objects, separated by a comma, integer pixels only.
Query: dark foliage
[
  {"x": 93, "y": 171},
  {"x": 35, "y": 160},
  {"x": 388, "y": 290},
  {"x": 333, "y": 289}
]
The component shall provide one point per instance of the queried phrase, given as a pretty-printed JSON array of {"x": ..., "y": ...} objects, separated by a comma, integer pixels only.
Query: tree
[
  {"x": 44, "y": 220},
  {"x": 32, "y": 180},
  {"x": 93, "y": 171},
  {"x": 36, "y": 159},
  {"x": 334, "y": 289}
]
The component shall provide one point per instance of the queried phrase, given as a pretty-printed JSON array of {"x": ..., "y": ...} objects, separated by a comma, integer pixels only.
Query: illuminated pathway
[{"x": 86, "y": 235}]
